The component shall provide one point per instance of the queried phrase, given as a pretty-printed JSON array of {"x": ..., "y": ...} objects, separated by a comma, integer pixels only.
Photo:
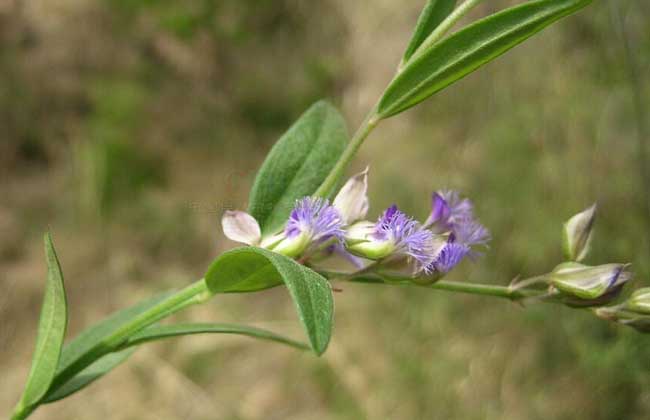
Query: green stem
[
  {"x": 195, "y": 293},
  {"x": 504, "y": 292},
  {"x": 21, "y": 412},
  {"x": 482, "y": 289},
  {"x": 369, "y": 123},
  {"x": 441, "y": 30}
]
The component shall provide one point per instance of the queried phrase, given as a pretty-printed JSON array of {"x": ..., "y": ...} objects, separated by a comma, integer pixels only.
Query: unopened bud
[
  {"x": 590, "y": 285},
  {"x": 577, "y": 234},
  {"x": 352, "y": 199},
  {"x": 634, "y": 312},
  {"x": 622, "y": 314},
  {"x": 639, "y": 301}
]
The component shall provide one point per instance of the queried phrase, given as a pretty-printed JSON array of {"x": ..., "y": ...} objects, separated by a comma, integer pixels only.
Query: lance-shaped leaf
[
  {"x": 297, "y": 165},
  {"x": 434, "y": 12},
  {"x": 158, "y": 332},
  {"x": 72, "y": 363},
  {"x": 466, "y": 50},
  {"x": 89, "y": 375},
  {"x": 249, "y": 269},
  {"x": 51, "y": 331}
]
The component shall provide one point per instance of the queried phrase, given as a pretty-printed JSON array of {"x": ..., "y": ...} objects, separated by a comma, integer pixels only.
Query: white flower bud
[
  {"x": 352, "y": 199},
  {"x": 577, "y": 234}
]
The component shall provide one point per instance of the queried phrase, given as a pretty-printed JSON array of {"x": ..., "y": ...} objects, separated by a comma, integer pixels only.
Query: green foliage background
[{"x": 129, "y": 126}]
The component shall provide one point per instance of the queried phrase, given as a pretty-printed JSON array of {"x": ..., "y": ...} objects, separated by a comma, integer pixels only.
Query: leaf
[
  {"x": 297, "y": 165},
  {"x": 51, "y": 331},
  {"x": 248, "y": 269},
  {"x": 466, "y": 50},
  {"x": 434, "y": 12},
  {"x": 90, "y": 374},
  {"x": 83, "y": 343},
  {"x": 159, "y": 332}
]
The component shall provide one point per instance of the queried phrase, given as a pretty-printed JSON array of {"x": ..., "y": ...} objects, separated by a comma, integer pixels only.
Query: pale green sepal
[
  {"x": 292, "y": 247},
  {"x": 373, "y": 250}
]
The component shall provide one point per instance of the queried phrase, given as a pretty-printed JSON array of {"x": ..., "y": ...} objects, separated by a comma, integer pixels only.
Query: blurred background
[{"x": 128, "y": 126}]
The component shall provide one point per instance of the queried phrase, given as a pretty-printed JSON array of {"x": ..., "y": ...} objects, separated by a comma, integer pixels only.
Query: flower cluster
[{"x": 315, "y": 226}]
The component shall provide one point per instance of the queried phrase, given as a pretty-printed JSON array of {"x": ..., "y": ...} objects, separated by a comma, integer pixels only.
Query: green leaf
[
  {"x": 433, "y": 13},
  {"x": 75, "y": 351},
  {"x": 51, "y": 331},
  {"x": 248, "y": 269},
  {"x": 468, "y": 49},
  {"x": 90, "y": 374},
  {"x": 297, "y": 165},
  {"x": 159, "y": 332}
]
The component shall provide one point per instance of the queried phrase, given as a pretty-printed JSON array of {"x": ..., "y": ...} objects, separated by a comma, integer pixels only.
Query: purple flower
[
  {"x": 453, "y": 215},
  {"x": 394, "y": 234},
  {"x": 452, "y": 254},
  {"x": 446, "y": 208},
  {"x": 311, "y": 222},
  {"x": 469, "y": 232},
  {"x": 316, "y": 217}
]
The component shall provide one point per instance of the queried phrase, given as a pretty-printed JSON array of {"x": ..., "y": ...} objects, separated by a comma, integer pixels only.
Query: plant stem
[
  {"x": 368, "y": 124},
  {"x": 504, "y": 292},
  {"x": 441, "y": 30},
  {"x": 195, "y": 293},
  {"x": 21, "y": 412},
  {"x": 482, "y": 289},
  {"x": 372, "y": 119}
]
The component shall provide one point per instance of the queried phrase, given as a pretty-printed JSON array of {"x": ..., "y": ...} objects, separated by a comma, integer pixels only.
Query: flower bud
[
  {"x": 639, "y": 301},
  {"x": 621, "y": 315},
  {"x": 640, "y": 323},
  {"x": 577, "y": 234},
  {"x": 634, "y": 312},
  {"x": 590, "y": 285},
  {"x": 352, "y": 199}
]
